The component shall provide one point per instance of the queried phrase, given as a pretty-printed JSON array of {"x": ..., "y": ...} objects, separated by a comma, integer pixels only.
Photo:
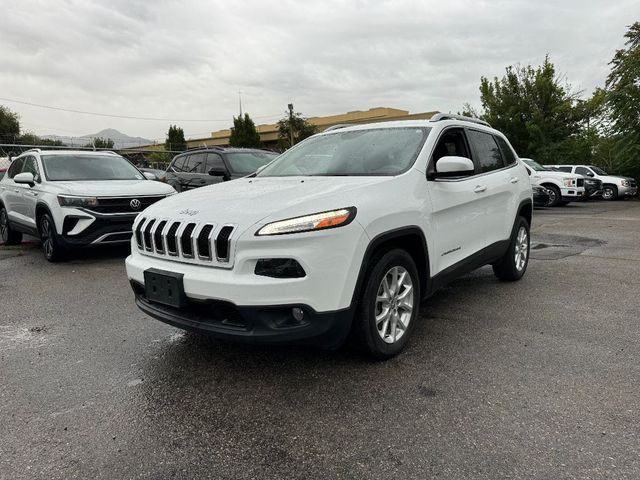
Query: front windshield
[
  {"x": 248, "y": 162},
  {"x": 598, "y": 171},
  {"x": 78, "y": 166},
  {"x": 535, "y": 165},
  {"x": 380, "y": 151}
]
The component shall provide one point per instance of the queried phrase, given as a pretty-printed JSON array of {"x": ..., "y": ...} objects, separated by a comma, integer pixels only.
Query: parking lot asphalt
[{"x": 535, "y": 379}]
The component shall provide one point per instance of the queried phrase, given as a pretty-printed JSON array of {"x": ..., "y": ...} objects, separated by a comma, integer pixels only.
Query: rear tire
[
  {"x": 513, "y": 264},
  {"x": 53, "y": 251},
  {"x": 389, "y": 304},
  {"x": 8, "y": 236},
  {"x": 609, "y": 192},
  {"x": 555, "y": 195}
]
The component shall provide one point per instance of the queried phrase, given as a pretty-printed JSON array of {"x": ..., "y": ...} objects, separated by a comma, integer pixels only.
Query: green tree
[
  {"x": 9, "y": 125},
  {"x": 99, "y": 142},
  {"x": 32, "y": 139},
  {"x": 244, "y": 133},
  {"x": 301, "y": 130},
  {"x": 534, "y": 109},
  {"x": 175, "y": 139},
  {"x": 623, "y": 104}
]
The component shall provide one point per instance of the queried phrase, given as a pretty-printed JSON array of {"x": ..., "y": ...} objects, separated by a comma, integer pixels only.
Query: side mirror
[
  {"x": 452, "y": 166},
  {"x": 590, "y": 174},
  {"x": 149, "y": 176},
  {"x": 219, "y": 172},
  {"x": 25, "y": 178}
]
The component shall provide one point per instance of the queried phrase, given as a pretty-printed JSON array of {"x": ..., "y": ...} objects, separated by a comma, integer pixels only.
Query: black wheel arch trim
[{"x": 411, "y": 230}]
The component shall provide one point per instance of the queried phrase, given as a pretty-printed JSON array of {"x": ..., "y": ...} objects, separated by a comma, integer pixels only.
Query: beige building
[{"x": 269, "y": 133}]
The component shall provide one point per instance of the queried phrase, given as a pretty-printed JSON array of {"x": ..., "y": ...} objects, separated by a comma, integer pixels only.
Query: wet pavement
[{"x": 535, "y": 379}]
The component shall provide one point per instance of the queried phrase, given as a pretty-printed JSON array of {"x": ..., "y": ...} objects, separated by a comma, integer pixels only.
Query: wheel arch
[
  {"x": 41, "y": 209},
  {"x": 525, "y": 210},
  {"x": 409, "y": 238}
]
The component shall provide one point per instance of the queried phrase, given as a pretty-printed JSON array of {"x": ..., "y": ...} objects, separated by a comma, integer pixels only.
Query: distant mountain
[{"x": 120, "y": 140}]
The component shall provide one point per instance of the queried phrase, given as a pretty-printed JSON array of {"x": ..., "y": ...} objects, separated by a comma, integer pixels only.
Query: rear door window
[
  {"x": 507, "y": 152},
  {"x": 564, "y": 169},
  {"x": 487, "y": 152}
]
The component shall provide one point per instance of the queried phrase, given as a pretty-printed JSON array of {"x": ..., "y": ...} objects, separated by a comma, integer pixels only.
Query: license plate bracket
[{"x": 165, "y": 287}]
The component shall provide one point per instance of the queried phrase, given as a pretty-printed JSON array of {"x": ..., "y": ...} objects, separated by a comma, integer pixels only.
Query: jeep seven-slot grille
[{"x": 185, "y": 240}]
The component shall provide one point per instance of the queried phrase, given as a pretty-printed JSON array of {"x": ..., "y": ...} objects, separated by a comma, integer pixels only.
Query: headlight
[
  {"x": 569, "y": 182},
  {"x": 624, "y": 183},
  {"x": 71, "y": 201},
  {"x": 308, "y": 223}
]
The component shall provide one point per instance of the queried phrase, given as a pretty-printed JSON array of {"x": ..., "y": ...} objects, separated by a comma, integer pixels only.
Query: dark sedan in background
[{"x": 541, "y": 196}]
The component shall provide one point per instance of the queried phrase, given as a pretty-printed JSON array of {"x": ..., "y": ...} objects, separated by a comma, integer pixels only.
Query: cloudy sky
[{"x": 187, "y": 60}]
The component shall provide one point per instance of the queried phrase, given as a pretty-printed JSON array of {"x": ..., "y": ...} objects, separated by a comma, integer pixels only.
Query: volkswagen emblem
[{"x": 135, "y": 204}]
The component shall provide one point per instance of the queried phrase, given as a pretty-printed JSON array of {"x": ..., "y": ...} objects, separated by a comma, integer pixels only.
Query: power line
[{"x": 128, "y": 117}]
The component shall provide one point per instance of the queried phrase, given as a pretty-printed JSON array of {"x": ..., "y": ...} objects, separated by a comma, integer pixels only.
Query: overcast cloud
[{"x": 189, "y": 59}]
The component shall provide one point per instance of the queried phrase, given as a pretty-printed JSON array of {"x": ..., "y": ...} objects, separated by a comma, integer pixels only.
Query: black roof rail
[
  {"x": 338, "y": 126},
  {"x": 452, "y": 116},
  {"x": 204, "y": 147}
]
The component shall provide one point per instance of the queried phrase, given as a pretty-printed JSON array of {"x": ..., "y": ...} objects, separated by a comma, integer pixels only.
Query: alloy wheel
[
  {"x": 552, "y": 197},
  {"x": 46, "y": 235},
  {"x": 394, "y": 304},
  {"x": 607, "y": 193},
  {"x": 521, "y": 249}
]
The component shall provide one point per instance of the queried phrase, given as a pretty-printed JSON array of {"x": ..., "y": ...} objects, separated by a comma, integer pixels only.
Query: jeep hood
[{"x": 248, "y": 201}]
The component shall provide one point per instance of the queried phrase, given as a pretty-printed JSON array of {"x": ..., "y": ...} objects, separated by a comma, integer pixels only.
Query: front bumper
[
  {"x": 255, "y": 324},
  {"x": 627, "y": 191},
  {"x": 104, "y": 229}
]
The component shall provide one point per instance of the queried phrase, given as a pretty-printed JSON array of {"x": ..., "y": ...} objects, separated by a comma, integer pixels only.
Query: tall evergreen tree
[
  {"x": 244, "y": 133},
  {"x": 175, "y": 139}
]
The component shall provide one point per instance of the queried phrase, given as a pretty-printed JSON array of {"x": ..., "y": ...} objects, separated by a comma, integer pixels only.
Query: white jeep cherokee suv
[
  {"x": 563, "y": 187},
  {"x": 613, "y": 186},
  {"x": 73, "y": 199},
  {"x": 346, "y": 232}
]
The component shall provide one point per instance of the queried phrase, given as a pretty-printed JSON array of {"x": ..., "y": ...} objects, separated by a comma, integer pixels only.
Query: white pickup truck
[{"x": 563, "y": 187}]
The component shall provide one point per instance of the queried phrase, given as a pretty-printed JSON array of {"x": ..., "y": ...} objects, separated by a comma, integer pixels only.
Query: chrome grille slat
[
  {"x": 147, "y": 239},
  {"x": 186, "y": 241},
  {"x": 156, "y": 235}
]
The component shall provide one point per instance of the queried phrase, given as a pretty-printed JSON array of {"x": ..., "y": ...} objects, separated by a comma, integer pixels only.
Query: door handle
[
  {"x": 514, "y": 180},
  {"x": 480, "y": 188},
  {"x": 16, "y": 190}
]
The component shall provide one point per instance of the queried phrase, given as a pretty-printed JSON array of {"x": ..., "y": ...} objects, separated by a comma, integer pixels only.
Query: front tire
[
  {"x": 555, "y": 196},
  {"x": 609, "y": 192},
  {"x": 8, "y": 236},
  {"x": 513, "y": 264},
  {"x": 53, "y": 251},
  {"x": 388, "y": 306}
]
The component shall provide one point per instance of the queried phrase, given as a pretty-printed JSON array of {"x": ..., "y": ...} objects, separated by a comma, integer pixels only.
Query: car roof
[
  {"x": 69, "y": 152},
  {"x": 225, "y": 150},
  {"x": 441, "y": 123}
]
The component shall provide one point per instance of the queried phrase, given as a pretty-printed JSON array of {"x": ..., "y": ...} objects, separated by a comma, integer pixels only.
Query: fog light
[{"x": 297, "y": 313}]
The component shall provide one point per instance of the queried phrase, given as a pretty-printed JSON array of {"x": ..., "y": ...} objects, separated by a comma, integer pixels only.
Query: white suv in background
[
  {"x": 73, "y": 199},
  {"x": 613, "y": 186},
  {"x": 563, "y": 187},
  {"x": 345, "y": 232}
]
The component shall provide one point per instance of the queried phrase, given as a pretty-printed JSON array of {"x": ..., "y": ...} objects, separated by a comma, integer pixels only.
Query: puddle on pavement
[{"x": 546, "y": 246}]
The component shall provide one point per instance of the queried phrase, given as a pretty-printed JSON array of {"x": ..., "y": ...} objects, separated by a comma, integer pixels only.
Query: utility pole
[
  {"x": 240, "y": 102},
  {"x": 291, "y": 122}
]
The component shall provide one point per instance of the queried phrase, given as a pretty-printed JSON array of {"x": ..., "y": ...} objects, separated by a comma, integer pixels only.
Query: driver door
[{"x": 457, "y": 208}]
